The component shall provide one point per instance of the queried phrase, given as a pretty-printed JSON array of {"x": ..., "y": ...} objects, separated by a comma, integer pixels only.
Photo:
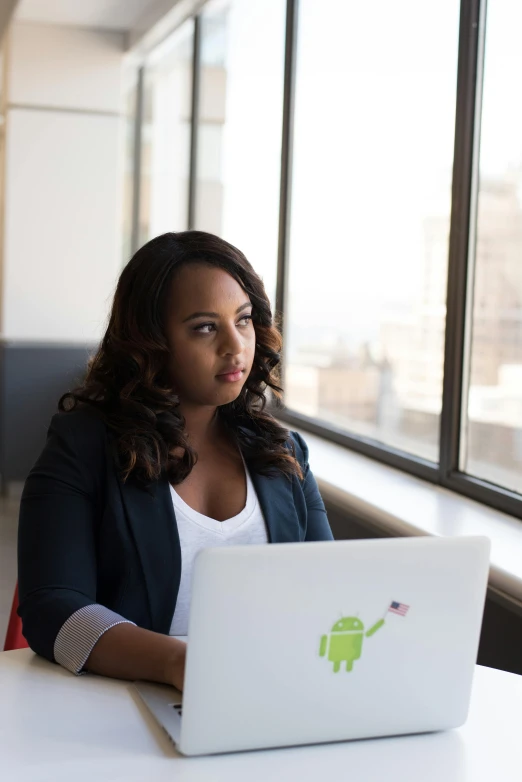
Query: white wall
[{"x": 63, "y": 182}]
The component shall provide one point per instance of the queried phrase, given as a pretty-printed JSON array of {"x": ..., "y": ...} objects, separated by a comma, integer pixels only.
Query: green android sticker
[{"x": 345, "y": 641}]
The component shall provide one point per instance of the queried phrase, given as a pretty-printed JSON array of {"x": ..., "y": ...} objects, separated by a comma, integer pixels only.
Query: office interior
[{"x": 367, "y": 158}]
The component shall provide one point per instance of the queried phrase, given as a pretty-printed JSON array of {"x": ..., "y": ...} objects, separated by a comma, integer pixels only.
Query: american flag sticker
[{"x": 398, "y": 608}]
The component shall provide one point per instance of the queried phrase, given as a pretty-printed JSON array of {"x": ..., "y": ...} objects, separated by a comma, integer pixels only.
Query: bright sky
[
  {"x": 373, "y": 151},
  {"x": 373, "y": 147},
  {"x": 501, "y": 138}
]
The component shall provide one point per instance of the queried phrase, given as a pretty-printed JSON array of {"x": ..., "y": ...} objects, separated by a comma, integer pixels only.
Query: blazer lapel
[
  {"x": 276, "y": 499},
  {"x": 153, "y": 524}
]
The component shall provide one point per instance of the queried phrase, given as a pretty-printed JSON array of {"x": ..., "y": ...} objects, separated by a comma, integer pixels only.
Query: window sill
[{"x": 400, "y": 504}]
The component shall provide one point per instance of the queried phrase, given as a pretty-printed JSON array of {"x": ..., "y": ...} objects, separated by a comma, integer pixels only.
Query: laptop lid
[{"x": 296, "y": 644}]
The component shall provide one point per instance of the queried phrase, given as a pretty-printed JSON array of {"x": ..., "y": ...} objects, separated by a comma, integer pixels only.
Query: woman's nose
[{"x": 231, "y": 342}]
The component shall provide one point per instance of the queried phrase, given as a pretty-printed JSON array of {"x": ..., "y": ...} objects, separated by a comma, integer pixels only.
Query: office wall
[
  {"x": 63, "y": 217},
  {"x": 63, "y": 182},
  {"x": 33, "y": 377}
]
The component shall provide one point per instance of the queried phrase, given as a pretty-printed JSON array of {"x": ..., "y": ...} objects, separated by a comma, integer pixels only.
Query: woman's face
[{"x": 210, "y": 335}]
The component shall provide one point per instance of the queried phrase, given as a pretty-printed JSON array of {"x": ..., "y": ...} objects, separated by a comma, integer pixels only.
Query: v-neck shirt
[{"x": 197, "y": 531}]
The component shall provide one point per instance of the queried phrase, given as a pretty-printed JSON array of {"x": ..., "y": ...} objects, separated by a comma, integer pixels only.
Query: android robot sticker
[{"x": 345, "y": 641}]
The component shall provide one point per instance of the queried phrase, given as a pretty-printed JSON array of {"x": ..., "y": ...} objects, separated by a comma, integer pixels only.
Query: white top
[
  {"x": 84, "y": 628},
  {"x": 55, "y": 727},
  {"x": 197, "y": 532}
]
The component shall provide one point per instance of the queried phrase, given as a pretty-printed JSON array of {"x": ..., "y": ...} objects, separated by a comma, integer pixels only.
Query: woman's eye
[{"x": 207, "y": 328}]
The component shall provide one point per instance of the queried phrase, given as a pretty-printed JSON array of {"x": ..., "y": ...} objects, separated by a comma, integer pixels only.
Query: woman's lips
[{"x": 231, "y": 377}]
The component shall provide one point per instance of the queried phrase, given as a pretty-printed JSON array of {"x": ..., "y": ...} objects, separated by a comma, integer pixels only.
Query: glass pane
[
  {"x": 166, "y": 136},
  {"x": 239, "y": 134},
  {"x": 494, "y": 405},
  {"x": 373, "y": 156}
]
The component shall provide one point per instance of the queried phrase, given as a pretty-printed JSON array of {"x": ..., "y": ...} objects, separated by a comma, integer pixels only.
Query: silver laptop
[{"x": 305, "y": 643}]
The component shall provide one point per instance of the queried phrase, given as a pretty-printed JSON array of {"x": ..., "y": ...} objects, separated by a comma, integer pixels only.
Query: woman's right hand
[
  {"x": 129, "y": 652},
  {"x": 175, "y": 669}
]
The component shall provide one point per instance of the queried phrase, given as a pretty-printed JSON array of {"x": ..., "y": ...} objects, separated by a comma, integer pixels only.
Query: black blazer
[{"x": 86, "y": 537}]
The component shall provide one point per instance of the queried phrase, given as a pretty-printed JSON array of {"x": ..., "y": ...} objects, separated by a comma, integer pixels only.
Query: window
[
  {"x": 378, "y": 113},
  {"x": 370, "y": 215},
  {"x": 239, "y": 128},
  {"x": 165, "y": 136},
  {"x": 491, "y": 442}
]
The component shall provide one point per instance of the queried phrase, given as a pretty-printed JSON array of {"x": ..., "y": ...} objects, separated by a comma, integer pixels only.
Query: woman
[{"x": 164, "y": 450}]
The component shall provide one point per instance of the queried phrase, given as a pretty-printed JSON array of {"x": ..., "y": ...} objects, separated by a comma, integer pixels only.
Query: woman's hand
[
  {"x": 129, "y": 652},
  {"x": 175, "y": 668}
]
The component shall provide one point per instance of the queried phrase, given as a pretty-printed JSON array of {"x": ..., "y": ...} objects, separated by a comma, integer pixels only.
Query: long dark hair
[{"x": 127, "y": 381}]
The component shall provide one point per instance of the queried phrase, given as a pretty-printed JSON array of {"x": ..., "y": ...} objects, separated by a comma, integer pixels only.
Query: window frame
[{"x": 461, "y": 260}]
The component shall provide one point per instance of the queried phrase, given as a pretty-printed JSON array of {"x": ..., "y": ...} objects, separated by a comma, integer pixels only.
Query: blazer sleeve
[
  {"x": 60, "y": 506},
  {"x": 317, "y": 527}
]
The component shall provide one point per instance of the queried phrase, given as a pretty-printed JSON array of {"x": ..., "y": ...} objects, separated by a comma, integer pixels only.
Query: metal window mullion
[
  {"x": 477, "y": 489},
  {"x": 483, "y": 491},
  {"x": 465, "y": 162},
  {"x": 285, "y": 191},
  {"x": 194, "y": 123},
  {"x": 381, "y": 452}
]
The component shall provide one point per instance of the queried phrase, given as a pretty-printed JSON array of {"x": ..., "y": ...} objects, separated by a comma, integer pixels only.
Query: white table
[{"x": 54, "y": 726}]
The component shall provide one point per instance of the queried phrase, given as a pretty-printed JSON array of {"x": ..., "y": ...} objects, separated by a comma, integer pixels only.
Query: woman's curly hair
[{"x": 127, "y": 380}]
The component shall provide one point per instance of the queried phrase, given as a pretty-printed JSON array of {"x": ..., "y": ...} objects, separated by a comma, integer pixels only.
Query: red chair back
[{"x": 14, "y": 638}]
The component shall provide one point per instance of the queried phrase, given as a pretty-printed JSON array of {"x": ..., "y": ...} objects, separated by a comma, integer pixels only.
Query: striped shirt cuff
[{"x": 79, "y": 634}]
